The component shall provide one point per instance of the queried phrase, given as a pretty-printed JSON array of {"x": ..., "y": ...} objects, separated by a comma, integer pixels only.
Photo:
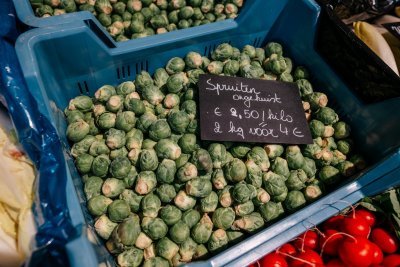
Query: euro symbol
[{"x": 217, "y": 112}]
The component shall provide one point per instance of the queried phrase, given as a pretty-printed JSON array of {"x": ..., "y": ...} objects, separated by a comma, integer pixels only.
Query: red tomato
[
  {"x": 330, "y": 242},
  {"x": 386, "y": 241},
  {"x": 273, "y": 260},
  {"x": 254, "y": 264},
  {"x": 335, "y": 263},
  {"x": 334, "y": 222},
  {"x": 367, "y": 215},
  {"x": 310, "y": 240},
  {"x": 391, "y": 260},
  {"x": 378, "y": 254},
  {"x": 287, "y": 249},
  {"x": 356, "y": 252},
  {"x": 356, "y": 227},
  {"x": 309, "y": 256}
]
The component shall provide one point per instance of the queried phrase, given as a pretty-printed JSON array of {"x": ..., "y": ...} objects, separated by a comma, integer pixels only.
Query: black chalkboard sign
[
  {"x": 251, "y": 110},
  {"x": 393, "y": 28}
]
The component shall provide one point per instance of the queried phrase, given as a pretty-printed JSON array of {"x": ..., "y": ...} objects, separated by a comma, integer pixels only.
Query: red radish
[
  {"x": 391, "y": 260},
  {"x": 334, "y": 222},
  {"x": 386, "y": 241},
  {"x": 356, "y": 252},
  {"x": 307, "y": 258},
  {"x": 308, "y": 240},
  {"x": 330, "y": 241},
  {"x": 287, "y": 249},
  {"x": 273, "y": 260},
  {"x": 335, "y": 263},
  {"x": 367, "y": 215},
  {"x": 378, "y": 254},
  {"x": 357, "y": 227}
]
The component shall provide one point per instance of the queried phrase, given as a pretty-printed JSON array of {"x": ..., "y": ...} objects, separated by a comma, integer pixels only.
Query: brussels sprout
[
  {"x": 217, "y": 153},
  {"x": 184, "y": 201},
  {"x": 166, "y": 193},
  {"x": 143, "y": 80},
  {"x": 274, "y": 183},
  {"x": 171, "y": 101},
  {"x": 280, "y": 166},
  {"x": 317, "y": 128},
  {"x": 74, "y": 115},
  {"x": 117, "y": 27},
  {"x": 342, "y": 130},
  {"x": 218, "y": 241},
  {"x": 115, "y": 138},
  {"x": 118, "y": 210},
  {"x": 134, "y": 105},
  {"x": 186, "y": 172},
  {"x": 202, "y": 160},
  {"x": 147, "y": 143},
  {"x": 235, "y": 171},
  {"x": 251, "y": 71},
  {"x": 183, "y": 24},
  {"x": 218, "y": 179},
  {"x": 175, "y": 65},
  {"x": 125, "y": 88},
  {"x": 223, "y": 218},
  {"x": 156, "y": 262},
  {"x": 103, "y": 6},
  {"x": 190, "y": 107},
  {"x": 112, "y": 187},
  {"x": 222, "y": 52},
  {"x": 132, "y": 199},
  {"x": 81, "y": 103},
  {"x": 209, "y": 203},
  {"x": 326, "y": 115},
  {"x": 244, "y": 208},
  {"x": 84, "y": 163},
  {"x": 127, "y": 232},
  {"x": 262, "y": 197},
  {"x": 249, "y": 50},
  {"x": 114, "y": 103},
  {"x": 134, "y": 139},
  {"x": 243, "y": 192},
  {"x": 148, "y": 160},
  {"x": 149, "y": 252},
  {"x": 100, "y": 165},
  {"x": 166, "y": 171},
  {"x": 329, "y": 175},
  {"x": 294, "y": 200},
  {"x": 294, "y": 157},
  {"x": 202, "y": 231},
  {"x": 117, "y": 153},
  {"x": 254, "y": 174},
  {"x": 188, "y": 143},
  {"x": 215, "y": 67},
  {"x": 187, "y": 250},
  {"x": 179, "y": 232},
  {"x": 231, "y": 67},
  {"x": 317, "y": 100},
  {"x": 77, "y": 130},
  {"x": 166, "y": 248},
  {"x": 270, "y": 210},
  {"x": 240, "y": 151},
  {"x": 99, "y": 148},
  {"x": 145, "y": 121},
  {"x": 125, "y": 121},
  {"x": 344, "y": 146},
  {"x": 177, "y": 82},
  {"x": 296, "y": 180},
  {"x": 159, "y": 21},
  {"x": 274, "y": 151},
  {"x": 225, "y": 196},
  {"x": 104, "y": 226},
  {"x": 97, "y": 205},
  {"x": 280, "y": 197},
  {"x": 309, "y": 167},
  {"x": 198, "y": 187},
  {"x": 346, "y": 168},
  {"x": 312, "y": 192},
  {"x": 130, "y": 179},
  {"x": 276, "y": 64},
  {"x": 82, "y": 146},
  {"x": 260, "y": 157},
  {"x": 155, "y": 228},
  {"x": 150, "y": 205},
  {"x": 166, "y": 148},
  {"x": 249, "y": 223},
  {"x": 328, "y": 131},
  {"x": 132, "y": 257},
  {"x": 143, "y": 241},
  {"x": 170, "y": 215},
  {"x": 92, "y": 187},
  {"x": 153, "y": 95},
  {"x": 120, "y": 167},
  {"x": 146, "y": 182},
  {"x": 106, "y": 120},
  {"x": 178, "y": 121}
]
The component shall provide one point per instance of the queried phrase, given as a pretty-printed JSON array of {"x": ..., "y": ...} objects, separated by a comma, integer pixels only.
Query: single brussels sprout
[
  {"x": 153, "y": 95},
  {"x": 183, "y": 24},
  {"x": 103, "y": 6},
  {"x": 159, "y": 21},
  {"x": 342, "y": 130},
  {"x": 166, "y": 171},
  {"x": 171, "y": 101},
  {"x": 170, "y": 214},
  {"x": 156, "y": 262},
  {"x": 150, "y": 205},
  {"x": 304, "y": 86},
  {"x": 244, "y": 208},
  {"x": 104, "y": 226},
  {"x": 249, "y": 223},
  {"x": 178, "y": 121},
  {"x": 344, "y": 146},
  {"x": 132, "y": 257},
  {"x": 276, "y": 64},
  {"x": 167, "y": 149},
  {"x": 309, "y": 167},
  {"x": 274, "y": 151},
  {"x": 254, "y": 174},
  {"x": 82, "y": 146},
  {"x": 202, "y": 231},
  {"x": 301, "y": 73},
  {"x": 215, "y": 67},
  {"x": 249, "y": 50},
  {"x": 74, "y": 115},
  {"x": 280, "y": 197},
  {"x": 218, "y": 179},
  {"x": 132, "y": 199},
  {"x": 262, "y": 197},
  {"x": 270, "y": 210},
  {"x": 179, "y": 232},
  {"x": 317, "y": 100},
  {"x": 187, "y": 250},
  {"x": 137, "y": 26},
  {"x": 145, "y": 121},
  {"x": 130, "y": 179},
  {"x": 106, "y": 120},
  {"x": 77, "y": 130},
  {"x": 326, "y": 115},
  {"x": 280, "y": 166},
  {"x": 329, "y": 175},
  {"x": 259, "y": 156},
  {"x": 112, "y": 187},
  {"x": 294, "y": 157},
  {"x": 317, "y": 128},
  {"x": 125, "y": 88},
  {"x": 338, "y": 157},
  {"x": 93, "y": 186},
  {"x": 143, "y": 80},
  {"x": 217, "y": 153},
  {"x": 294, "y": 200},
  {"x": 202, "y": 160},
  {"x": 235, "y": 171},
  {"x": 104, "y": 19},
  {"x": 225, "y": 196},
  {"x": 251, "y": 71},
  {"x": 114, "y": 103},
  {"x": 155, "y": 228},
  {"x": 127, "y": 232},
  {"x": 193, "y": 60},
  {"x": 166, "y": 193},
  {"x": 99, "y": 148},
  {"x": 148, "y": 160},
  {"x": 120, "y": 167},
  {"x": 100, "y": 165},
  {"x": 143, "y": 241},
  {"x": 312, "y": 192},
  {"x": 328, "y": 131},
  {"x": 223, "y": 218},
  {"x": 117, "y": 27},
  {"x": 198, "y": 187},
  {"x": 125, "y": 121},
  {"x": 148, "y": 144},
  {"x": 188, "y": 143},
  {"x": 97, "y": 205},
  {"x": 243, "y": 192},
  {"x": 177, "y": 82},
  {"x": 115, "y": 138},
  {"x": 274, "y": 183},
  {"x": 146, "y": 182},
  {"x": 186, "y": 172},
  {"x": 312, "y": 150},
  {"x": 166, "y": 248},
  {"x": 184, "y": 201},
  {"x": 84, "y": 163},
  {"x": 190, "y": 107},
  {"x": 175, "y": 65},
  {"x": 134, "y": 105},
  {"x": 81, "y": 103},
  {"x": 218, "y": 241},
  {"x": 160, "y": 77},
  {"x": 222, "y": 52},
  {"x": 209, "y": 203},
  {"x": 117, "y": 153},
  {"x": 118, "y": 210},
  {"x": 134, "y": 139},
  {"x": 240, "y": 151},
  {"x": 231, "y": 67},
  {"x": 296, "y": 180}
]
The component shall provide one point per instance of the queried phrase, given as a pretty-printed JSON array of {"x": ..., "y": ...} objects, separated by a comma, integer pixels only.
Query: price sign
[{"x": 251, "y": 110}]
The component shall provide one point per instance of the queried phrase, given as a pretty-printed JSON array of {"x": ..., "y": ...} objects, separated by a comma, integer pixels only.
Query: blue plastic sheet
[{"x": 41, "y": 143}]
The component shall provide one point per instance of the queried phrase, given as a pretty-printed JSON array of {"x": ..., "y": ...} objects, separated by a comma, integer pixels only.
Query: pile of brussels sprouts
[
  {"x": 160, "y": 195},
  {"x": 131, "y": 19}
]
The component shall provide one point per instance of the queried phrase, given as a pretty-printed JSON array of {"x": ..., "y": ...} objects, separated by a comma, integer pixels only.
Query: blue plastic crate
[{"x": 60, "y": 63}]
